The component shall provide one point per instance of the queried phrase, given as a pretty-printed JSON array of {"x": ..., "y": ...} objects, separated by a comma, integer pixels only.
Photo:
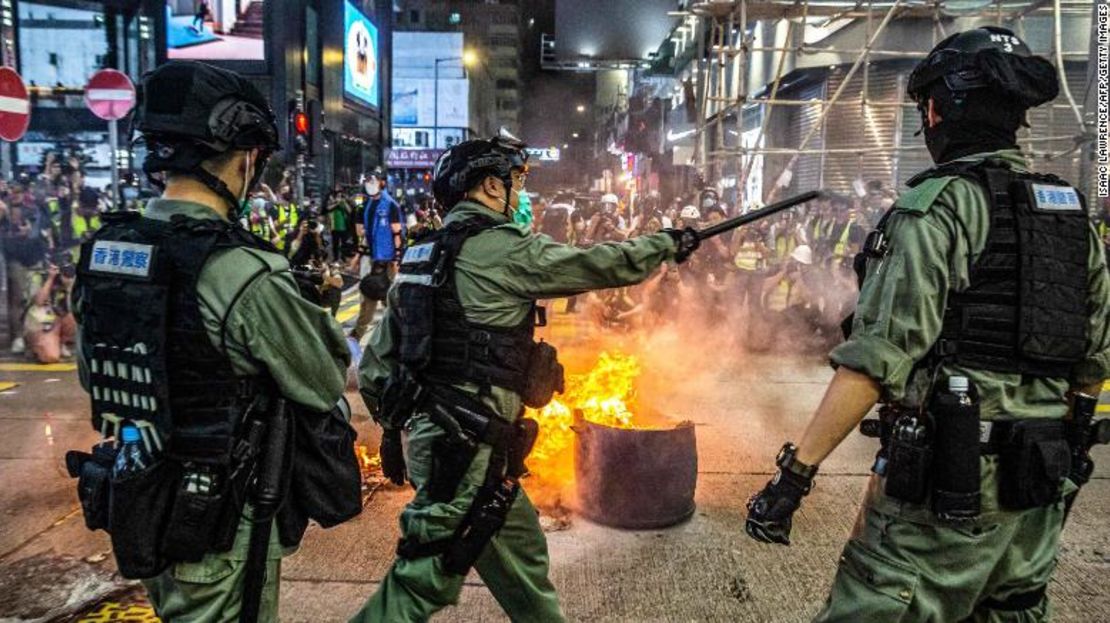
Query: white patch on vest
[
  {"x": 421, "y": 280},
  {"x": 419, "y": 253},
  {"x": 1056, "y": 198},
  {"x": 124, "y": 258}
]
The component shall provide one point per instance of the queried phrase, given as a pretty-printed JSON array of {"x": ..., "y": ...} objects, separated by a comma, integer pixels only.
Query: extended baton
[{"x": 756, "y": 215}]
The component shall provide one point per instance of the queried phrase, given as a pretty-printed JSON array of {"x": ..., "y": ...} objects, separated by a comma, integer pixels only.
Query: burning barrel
[{"x": 636, "y": 478}]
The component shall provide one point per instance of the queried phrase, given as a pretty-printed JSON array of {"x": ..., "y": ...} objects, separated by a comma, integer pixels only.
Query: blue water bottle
[{"x": 132, "y": 457}]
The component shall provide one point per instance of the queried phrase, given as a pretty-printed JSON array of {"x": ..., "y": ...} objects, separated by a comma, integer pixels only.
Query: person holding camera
[
  {"x": 340, "y": 225},
  {"x": 24, "y": 246},
  {"x": 49, "y": 329},
  {"x": 306, "y": 244}
]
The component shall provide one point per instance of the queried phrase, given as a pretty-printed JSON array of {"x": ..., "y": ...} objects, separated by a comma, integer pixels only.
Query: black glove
[
  {"x": 393, "y": 456},
  {"x": 686, "y": 241},
  {"x": 771, "y": 510}
]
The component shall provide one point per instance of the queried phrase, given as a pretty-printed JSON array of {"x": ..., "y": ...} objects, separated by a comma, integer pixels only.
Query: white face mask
[{"x": 373, "y": 187}]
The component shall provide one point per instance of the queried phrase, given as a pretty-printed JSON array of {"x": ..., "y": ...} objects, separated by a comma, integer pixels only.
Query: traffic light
[
  {"x": 298, "y": 128},
  {"x": 300, "y": 132}
]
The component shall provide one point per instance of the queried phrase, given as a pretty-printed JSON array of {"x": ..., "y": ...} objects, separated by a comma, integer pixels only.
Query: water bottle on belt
[
  {"x": 955, "y": 494},
  {"x": 132, "y": 457}
]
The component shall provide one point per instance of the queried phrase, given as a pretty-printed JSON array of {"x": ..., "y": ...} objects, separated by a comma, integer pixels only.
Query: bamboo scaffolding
[{"x": 727, "y": 54}]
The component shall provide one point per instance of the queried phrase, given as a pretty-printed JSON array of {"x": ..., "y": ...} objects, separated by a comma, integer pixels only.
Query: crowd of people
[
  {"x": 331, "y": 242},
  {"x": 43, "y": 221},
  {"x": 787, "y": 279}
]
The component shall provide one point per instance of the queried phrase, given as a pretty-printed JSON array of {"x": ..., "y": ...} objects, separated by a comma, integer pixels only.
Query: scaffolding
[{"x": 724, "y": 33}]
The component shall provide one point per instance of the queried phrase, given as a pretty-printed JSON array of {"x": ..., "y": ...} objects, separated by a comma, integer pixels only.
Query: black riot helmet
[
  {"x": 463, "y": 166},
  {"x": 986, "y": 58},
  {"x": 377, "y": 173},
  {"x": 190, "y": 112},
  {"x": 981, "y": 82}
]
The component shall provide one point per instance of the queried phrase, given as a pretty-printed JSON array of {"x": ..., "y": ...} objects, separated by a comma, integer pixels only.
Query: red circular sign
[
  {"x": 110, "y": 94},
  {"x": 15, "y": 106}
]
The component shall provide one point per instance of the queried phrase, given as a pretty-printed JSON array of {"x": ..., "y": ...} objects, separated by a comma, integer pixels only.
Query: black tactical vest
[
  {"x": 438, "y": 344},
  {"x": 1025, "y": 310},
  {"x": 149, "y": 356}
]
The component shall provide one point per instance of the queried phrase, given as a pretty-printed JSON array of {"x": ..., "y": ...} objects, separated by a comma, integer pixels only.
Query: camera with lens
[{"x": 64, "y": 262}]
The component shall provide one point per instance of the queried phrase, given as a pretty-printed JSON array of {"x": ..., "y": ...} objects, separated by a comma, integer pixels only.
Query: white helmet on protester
[
  {"x": 690, "y": 213},
  {"x": 802, "y": 254},
  {"x": 609, "y": 198}
]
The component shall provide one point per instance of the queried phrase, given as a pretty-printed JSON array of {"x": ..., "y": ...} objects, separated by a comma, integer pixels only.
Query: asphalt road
[{"x": 705, "y": 569}]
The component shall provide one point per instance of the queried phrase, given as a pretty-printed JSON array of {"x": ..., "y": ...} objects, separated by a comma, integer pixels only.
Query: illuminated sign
[
  {"x": 360, "y": 57},
  {"x": 403, "y": 158},
  {"x": 550, "y": 154}
]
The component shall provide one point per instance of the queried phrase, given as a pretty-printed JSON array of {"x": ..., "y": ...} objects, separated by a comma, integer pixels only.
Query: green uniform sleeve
[
  {"x": 1096, "y": 368},
  {"x": 534, "y": 266},
  {"x": 378, "y": 360},
  {"x": 901, "y": 304},
  {"x": 298, "y": 343}
]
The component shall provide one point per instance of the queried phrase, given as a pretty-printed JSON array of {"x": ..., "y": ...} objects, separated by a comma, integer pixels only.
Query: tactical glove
[
  {"x": 393, "y": 456},
  {"x": 770, "y": 511},
  {"x": 686, "y": 241}
]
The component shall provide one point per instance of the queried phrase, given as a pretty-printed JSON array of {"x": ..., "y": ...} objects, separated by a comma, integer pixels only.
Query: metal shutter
[{"x": 870, "y": 128}]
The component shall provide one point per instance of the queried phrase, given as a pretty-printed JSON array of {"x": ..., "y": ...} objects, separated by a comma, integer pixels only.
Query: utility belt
[
  {"x": 170, "y": 511},
  {"x": 468, "y": 424},
  {"x": 924, "y": 457}
]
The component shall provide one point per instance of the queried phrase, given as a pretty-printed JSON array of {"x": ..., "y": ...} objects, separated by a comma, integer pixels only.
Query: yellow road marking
[
  {"x": 346, "y": 314},
  {"x": 116, "y": 612},
  {"x": 1103, "y": 409},
  {"x": 37, "y": 367},
  {"x": 5, "y": 386}
]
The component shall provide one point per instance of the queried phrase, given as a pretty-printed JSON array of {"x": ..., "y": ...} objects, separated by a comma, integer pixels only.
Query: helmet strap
[
  {"x": 508, "y": 182},
  {"x": 205, "y": 177}
]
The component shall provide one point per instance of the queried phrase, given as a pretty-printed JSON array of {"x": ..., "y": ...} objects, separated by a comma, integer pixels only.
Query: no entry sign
[
  {"x": 110, "y": 94},
  {"x": 15, "y": 107}
]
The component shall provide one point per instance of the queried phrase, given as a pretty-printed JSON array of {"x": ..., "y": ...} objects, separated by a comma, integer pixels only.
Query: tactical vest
[
  {"x": 438, "y": 344},
  {"x": 150, "y": 358},
  {"x": 1025, "y": 310}
]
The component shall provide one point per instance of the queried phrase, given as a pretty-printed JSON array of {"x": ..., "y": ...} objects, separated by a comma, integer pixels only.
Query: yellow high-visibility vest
[
  {"x": 749, "y": 257},
  {"x": 84, "y": 225}
]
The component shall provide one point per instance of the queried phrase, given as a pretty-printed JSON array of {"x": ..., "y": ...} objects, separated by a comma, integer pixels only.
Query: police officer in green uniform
[
  {"x": 983, "y": 275},
  {"x": 186, "y": 323},
  {"x": 452, "y": 365}
]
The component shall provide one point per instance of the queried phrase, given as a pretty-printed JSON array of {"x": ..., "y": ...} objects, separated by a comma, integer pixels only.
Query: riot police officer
[
  {"x": 984, "y": 287},
  {"x": 453, "y": 364},
  {"x": 190, "y": 327}
]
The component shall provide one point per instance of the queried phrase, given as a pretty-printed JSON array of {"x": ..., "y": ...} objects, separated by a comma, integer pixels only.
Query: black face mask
[{"x": 949, "y": 140}]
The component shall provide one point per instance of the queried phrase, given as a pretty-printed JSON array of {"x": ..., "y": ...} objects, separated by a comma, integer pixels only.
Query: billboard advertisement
[
  {"x": 418, "y": 59},
  {"x": 215, "y": 30},
  {"x": 414, "y": 102},
  {"x": 360, "y": 57},
  {"x": 58, "y": 45}
]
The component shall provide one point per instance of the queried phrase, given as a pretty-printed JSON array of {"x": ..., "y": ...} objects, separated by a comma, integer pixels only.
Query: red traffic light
[{"x": 300, "y": 123}]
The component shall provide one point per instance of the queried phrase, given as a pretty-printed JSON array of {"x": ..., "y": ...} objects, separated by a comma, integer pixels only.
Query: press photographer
[{"x": 49, "y": 329}]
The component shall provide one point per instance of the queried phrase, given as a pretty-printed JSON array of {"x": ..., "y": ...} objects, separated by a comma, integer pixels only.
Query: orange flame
[
  {"x": 606, "y": 395},
  {"x": 369, "y": 462}
]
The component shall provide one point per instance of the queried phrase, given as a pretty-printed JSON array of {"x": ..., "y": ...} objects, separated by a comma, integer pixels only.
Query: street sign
[
  {"x": 110, "y": 94},
  {"x": 15, "y": 106}
]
